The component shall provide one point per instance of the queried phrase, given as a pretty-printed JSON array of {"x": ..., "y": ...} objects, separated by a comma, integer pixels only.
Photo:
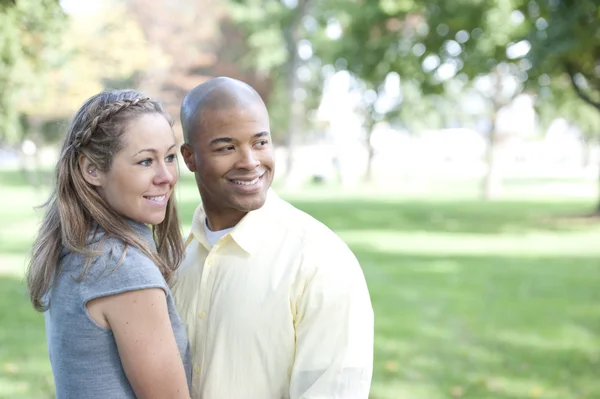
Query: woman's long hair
[{"x": 74, "y": 207}]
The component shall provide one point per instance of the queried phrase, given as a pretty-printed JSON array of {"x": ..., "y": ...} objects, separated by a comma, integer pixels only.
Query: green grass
[{"x": 473, "y": 300}]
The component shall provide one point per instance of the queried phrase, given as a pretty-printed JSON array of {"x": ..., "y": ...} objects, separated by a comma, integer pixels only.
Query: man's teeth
[
  {"x": 157, "y": 199},
  {"x": 246, "y": 183}
]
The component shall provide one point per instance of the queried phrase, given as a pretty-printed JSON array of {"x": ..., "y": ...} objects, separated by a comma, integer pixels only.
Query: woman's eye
[
  {"x": 145, "y": 162},
  {"x": 171, "y": 158}
]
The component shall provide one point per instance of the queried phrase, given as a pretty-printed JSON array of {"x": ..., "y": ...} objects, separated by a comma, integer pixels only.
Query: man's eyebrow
[
  {"x": 221, "y": 140},
  {"x": 230, "y": 140},
  {"x": 152, "y": 150}
]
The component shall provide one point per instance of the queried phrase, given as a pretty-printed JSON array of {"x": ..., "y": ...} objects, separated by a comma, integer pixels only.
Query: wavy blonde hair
[{"x": 74, "y": 207}]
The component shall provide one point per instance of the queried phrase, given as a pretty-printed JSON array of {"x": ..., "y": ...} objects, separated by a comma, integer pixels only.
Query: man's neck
[{"x": 220, "y": 221}]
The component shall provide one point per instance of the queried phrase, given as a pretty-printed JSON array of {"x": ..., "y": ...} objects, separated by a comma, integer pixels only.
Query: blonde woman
[{"x": 106, "y": 250}]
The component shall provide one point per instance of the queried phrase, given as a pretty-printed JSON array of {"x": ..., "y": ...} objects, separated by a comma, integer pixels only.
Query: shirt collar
[{"x": 248, "y": 232}]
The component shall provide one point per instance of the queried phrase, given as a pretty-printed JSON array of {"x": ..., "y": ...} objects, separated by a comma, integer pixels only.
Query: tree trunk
[
  {"x": 492, "y": 180},
  {"x": 292, "y": 37},
  {"x": 30, "y": 156},
  {"x": 369, "y": 125},
  {"x": 598, "y": 200},
  {"x": 369, "y": 172},
  {"x": 572, "y": 72},
  {"x": 586, "y": 154}
]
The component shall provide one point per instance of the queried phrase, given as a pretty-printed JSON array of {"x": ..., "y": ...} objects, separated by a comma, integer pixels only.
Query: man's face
[{"x": 232, "y": 156}]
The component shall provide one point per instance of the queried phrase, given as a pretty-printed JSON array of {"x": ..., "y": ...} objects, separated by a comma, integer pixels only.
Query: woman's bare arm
[{"x": 140, "y": 323}]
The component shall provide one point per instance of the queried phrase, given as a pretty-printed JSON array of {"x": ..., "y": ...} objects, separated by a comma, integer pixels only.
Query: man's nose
[{"x": 247, "y": 160}]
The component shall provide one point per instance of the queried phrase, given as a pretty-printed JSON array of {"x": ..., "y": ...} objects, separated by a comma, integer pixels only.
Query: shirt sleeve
[
  {"x": 118, "y": 271},
  {"x": 334, "y": 329}
]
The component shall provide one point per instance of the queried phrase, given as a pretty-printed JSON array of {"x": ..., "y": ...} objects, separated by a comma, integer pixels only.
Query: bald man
[{"x": 275, "y": 304}]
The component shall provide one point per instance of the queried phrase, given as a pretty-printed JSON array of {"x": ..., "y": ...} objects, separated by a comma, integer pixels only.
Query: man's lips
[{"x": 246, "y": 179}]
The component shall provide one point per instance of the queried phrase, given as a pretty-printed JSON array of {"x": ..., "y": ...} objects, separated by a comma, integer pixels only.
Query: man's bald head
[{"x": 214, "y": 95}]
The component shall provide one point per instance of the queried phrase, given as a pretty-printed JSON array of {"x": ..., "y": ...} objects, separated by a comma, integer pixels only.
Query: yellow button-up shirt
[{"x": 277, "y": 308}]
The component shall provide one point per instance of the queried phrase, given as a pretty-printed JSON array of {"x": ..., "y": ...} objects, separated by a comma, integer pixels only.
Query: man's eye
[{"x": 227, "y": 148}]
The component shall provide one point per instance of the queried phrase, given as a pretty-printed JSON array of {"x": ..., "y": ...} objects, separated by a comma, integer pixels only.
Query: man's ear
[
  {"x": 188, "y": 156},
  {"x": 89, "y": 171}
]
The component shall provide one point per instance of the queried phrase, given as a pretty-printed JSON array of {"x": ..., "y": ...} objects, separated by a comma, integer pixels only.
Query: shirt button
[
  {"x": 211, "y": 261},
  {"x": 202, "y": 315},
  {"x": 197, "y": 370}
]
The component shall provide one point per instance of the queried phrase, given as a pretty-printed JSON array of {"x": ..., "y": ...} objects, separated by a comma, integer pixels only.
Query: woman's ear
[{"x": 88, "y": 170}]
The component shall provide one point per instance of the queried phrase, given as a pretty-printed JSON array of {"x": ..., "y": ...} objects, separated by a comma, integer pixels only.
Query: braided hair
[
  {"x": 82, "y": 138},
  {"x": 75, "y": 208}
]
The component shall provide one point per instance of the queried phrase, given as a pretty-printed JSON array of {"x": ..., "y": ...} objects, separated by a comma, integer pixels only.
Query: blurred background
[{"x": 454, "y": 145}]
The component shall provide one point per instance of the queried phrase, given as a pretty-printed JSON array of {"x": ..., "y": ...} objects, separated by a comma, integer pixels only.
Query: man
[{"x": 275, "y": 304}]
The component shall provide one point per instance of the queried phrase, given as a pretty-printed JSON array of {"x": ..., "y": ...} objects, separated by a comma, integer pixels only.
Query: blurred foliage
[
  {"x": 264, "y": 23},
  {"x": 29, "y": 31},
  {"x": 416, "y": 39},
  {"x": 565, "y": 38},
  {"x": 119, "y": 53},
  {"x": 560, "y": 100},
  {"x": 200, "y": 40},
  {"x": 438, "y": 50},
  {"x": 468, "y": 39},
  {"x": 436, "y": 45},
  {"x": 274, "y": 32},
  {"x": 186, "y": 35},
  {"x": 63, "y": 62}
]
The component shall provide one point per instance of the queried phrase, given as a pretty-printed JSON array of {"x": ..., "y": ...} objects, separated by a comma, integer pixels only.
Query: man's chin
[{"x": 250, "y": 204}]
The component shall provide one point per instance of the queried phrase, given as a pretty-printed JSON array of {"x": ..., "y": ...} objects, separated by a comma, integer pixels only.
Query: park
[{"x": 453, "y": 146}]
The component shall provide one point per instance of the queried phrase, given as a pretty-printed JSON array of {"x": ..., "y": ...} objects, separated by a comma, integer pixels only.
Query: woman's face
[{"x": 143, "y": 174}]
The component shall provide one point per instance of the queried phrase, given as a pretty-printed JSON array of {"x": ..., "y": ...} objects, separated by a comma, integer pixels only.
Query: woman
[{"x": 97, "y": 271}]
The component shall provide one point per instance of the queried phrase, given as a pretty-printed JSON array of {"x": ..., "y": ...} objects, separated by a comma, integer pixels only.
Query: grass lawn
[{"x": 472, "y": 300}]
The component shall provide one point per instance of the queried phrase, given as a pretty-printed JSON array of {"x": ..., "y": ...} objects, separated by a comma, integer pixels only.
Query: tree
[
  {"x": 118, "y": 54},
  {"x": 565, "y": 39},
  {"x": 30, "y": 30},
  {"x": 565, "y": 47},
  {"x": 275, "y": 31},
  {"x": 428, "y": 43},
  {"x": 185, "y": 33},
  {"x": 556, "y": 100},
  {"x": 95, "y": 51},
  {"x": 200, "y": 41}
]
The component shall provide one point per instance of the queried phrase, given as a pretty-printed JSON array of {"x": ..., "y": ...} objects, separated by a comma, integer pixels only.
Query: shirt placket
[{"x": 205, "y": 295}]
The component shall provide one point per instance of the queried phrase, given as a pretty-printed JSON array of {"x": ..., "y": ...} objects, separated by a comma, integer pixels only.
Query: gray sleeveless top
[{"x": 84, "y": 356}]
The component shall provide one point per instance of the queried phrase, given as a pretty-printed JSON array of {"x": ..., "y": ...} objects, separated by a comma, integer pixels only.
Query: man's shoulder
[
  {"x": 323, "y": 251},
  {"x": 306, "y": 226}
]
